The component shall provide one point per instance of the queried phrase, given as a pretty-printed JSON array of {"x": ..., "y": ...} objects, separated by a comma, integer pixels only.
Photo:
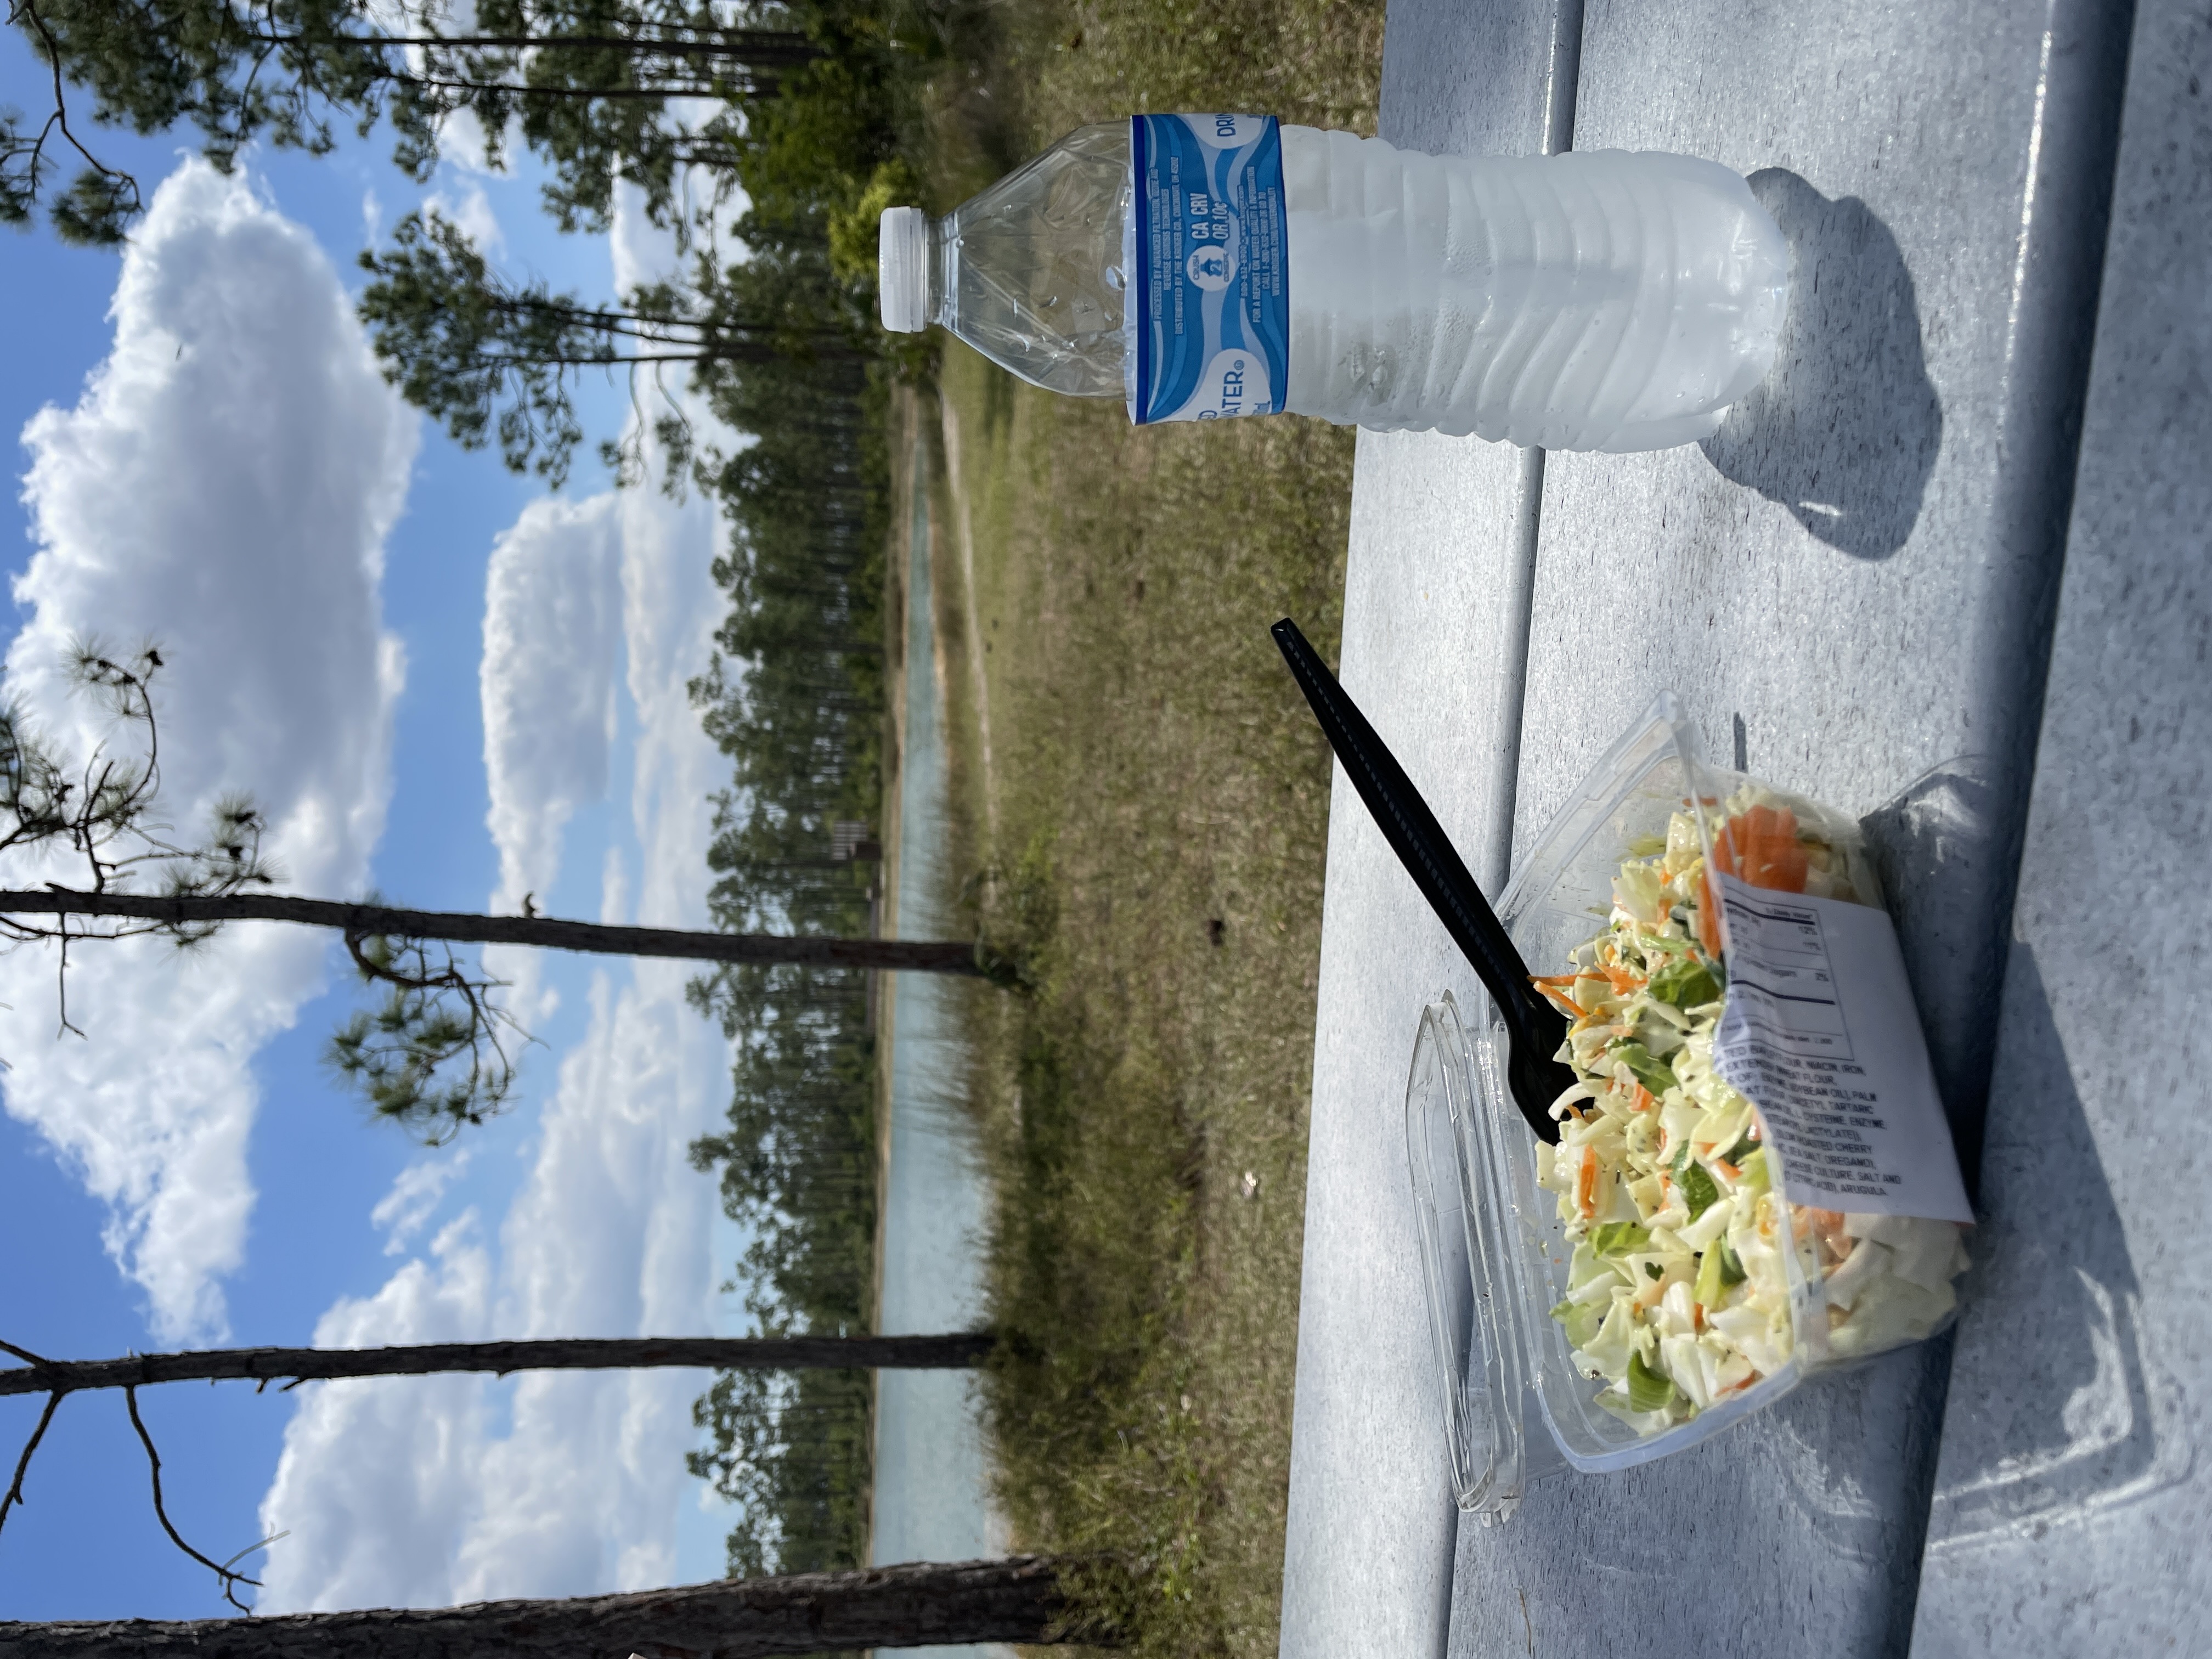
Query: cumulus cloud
[
  {"x": 431, "y": 1492},
  {"x": 554, "y": 1484},
  {"x": 551, "y": 635},
  {"x": 608, "y": 1236},
  {"x": 473, "y": 214},
  {"x": 407, "y": 1208},
  {"x": 359, "y": 1453},
  {"x": 614, "y": 890},
  {"x": 224, "y": 485}
]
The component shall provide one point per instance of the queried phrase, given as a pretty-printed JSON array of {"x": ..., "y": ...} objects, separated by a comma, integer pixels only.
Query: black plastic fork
[{"x": 1533, "y": 1028}]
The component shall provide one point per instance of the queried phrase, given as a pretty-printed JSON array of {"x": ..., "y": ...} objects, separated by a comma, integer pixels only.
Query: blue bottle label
[{"x": 1213, "y": 232}]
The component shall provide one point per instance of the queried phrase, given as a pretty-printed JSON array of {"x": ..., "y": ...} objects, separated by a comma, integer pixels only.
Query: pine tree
[
  {"x": 483, "y": 354},
  {"x": 586, "y": 84}
]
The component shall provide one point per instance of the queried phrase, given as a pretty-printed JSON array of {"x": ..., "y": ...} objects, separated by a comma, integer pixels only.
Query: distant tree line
[
  {"x": 776, "y": 337},
  {"x": 795, "y": 698}
]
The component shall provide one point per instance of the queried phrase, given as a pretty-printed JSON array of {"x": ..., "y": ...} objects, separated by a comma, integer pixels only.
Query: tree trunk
[
  {"x": 360, "y": 921},
  {"x": 923, "y": 1605},
  {"x": 523, "y": 89},
  {"x": 756, "y": 48},
  {"x": 956, "y": 1351}
]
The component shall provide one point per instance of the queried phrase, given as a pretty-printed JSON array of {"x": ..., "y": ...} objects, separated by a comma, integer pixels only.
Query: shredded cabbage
[{"x": 1679, "y": 1289}]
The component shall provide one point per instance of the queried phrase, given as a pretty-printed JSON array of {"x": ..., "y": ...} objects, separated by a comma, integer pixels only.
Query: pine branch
[
  {"x": 224, "y": 1575},
  {"x": 84, "y": 216},
  {"x": 15, "y": 1496}
]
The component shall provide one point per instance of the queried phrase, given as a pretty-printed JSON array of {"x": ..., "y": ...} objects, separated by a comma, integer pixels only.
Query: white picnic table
[{"x": 1949, "y": 569}]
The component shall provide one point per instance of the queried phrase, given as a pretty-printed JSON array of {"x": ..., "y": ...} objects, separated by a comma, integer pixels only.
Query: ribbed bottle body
[{"x": 1598, "y": 300}]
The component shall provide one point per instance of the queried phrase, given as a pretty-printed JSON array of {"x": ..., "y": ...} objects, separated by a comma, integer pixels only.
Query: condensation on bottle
[{"x": 1593, "y": 299}]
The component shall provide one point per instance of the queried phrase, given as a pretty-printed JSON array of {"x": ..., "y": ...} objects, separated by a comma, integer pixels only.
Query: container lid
[
  {"x": 902, "y": 269},
  {"x": 1466, "y": 1271}
]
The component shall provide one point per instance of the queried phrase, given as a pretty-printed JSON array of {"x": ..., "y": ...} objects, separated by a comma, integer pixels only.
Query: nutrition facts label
[{"x": 1821, "y": 1032}]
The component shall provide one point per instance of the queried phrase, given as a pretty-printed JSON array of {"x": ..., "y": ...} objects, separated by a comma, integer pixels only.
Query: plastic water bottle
[{"x": 1199, "y": 266}]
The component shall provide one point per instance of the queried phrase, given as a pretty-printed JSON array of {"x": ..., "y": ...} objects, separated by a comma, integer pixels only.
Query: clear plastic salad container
[{"x": 1671, "y": 1265}]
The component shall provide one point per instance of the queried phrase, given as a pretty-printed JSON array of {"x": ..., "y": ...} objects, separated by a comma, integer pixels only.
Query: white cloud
[
  {"x": 644, "y": 252},
  {"x": 669, "y": 608},
  {"x": 609, "y": 1236},
  {"x": 415, "y": 1196},
  {"x": 614, "y": 890},
  {"x": 551, "y": 632},
  {"x": 359, "y": 1453},
  {"x": 473, "y": 214},
  {"x": 554, "y": 1484},
  {"x": 424, "y": 1491},
  {"x": 225, "y": 485}
]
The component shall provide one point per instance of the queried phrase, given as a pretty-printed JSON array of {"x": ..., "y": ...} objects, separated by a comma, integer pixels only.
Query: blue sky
[{"x": 319, "y": 564}]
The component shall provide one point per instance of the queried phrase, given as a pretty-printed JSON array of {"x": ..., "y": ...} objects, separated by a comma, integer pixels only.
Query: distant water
[{"x": 929, "y": 1483}]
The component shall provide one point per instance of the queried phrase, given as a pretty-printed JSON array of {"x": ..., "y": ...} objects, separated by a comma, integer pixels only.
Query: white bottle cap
[{"x": 902, "y": 269}]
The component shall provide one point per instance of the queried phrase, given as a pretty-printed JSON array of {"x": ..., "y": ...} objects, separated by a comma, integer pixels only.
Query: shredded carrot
[
  {"x": 1568, "y": 1006},
  {"x": 1623, "y": 979},
  {"x": 1760, "y": 848},
  {"x": 1586, "y": 1184},
  {"x": 1555, "y": 979},
  {"x": 1645, "y": 1100}
]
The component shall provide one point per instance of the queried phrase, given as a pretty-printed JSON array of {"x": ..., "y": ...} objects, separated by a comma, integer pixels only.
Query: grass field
[{"x": 1144, "y": 805}]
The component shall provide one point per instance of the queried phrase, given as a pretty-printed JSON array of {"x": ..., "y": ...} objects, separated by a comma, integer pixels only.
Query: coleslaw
[{"x": 1693, "y": 1276}]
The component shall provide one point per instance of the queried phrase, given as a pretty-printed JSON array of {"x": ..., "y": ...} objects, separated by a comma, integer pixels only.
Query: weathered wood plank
[
  {"x": 1433, "y": 628},
  {"x": 2070, "y": 1502},
  {"x": 1850, "y": 585}
]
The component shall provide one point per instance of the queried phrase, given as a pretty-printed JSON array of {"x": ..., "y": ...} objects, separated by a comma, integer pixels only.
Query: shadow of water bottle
[{"x": 1844, "y": 432}]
